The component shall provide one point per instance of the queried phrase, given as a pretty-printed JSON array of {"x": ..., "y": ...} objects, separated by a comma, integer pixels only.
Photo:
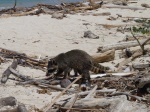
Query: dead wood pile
[{"x": 131, "y": 80}]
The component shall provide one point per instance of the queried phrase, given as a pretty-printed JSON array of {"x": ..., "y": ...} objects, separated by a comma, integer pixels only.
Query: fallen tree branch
[
  {"x": 127, "y": 94},
  {"x": 123, "y": 7},
  {"x": 121, "y": 45},
  {"x": 98, "y": 91}
]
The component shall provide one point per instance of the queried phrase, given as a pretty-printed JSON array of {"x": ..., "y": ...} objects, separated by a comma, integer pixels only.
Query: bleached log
[
  {"x": 104, "y": 57},
  {"x": 48, "y": 106},
  {"x": 113, "y": 74},
  {"x": 91, "y": 103},
  {"x": 119, "y": 46},
  {"x": 71, "y": 102},
  {"x": 123, "y": 7},
  {"x": 91, "y": 92}
]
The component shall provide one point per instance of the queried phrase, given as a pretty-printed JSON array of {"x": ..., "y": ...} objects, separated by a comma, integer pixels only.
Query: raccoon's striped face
[{"x": 51, "y": 67}]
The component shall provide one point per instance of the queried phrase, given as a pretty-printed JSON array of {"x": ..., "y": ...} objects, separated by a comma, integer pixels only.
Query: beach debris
[
  {"x": 102, "y": 14},
  {"x": 145, "y": 5},
  {"x": 11, "y": 102},
  {"x": 124, "y": 3},
  {"x": 89, "y": 34},
  {"x": 107, "y": 90},
  {"x": 58, "y": 15},
  {"x": 64, "y": 83}
]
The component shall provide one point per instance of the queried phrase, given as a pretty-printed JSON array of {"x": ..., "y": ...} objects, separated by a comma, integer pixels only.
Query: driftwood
[
  {"x": 48, "y": 107},
  {"x": 71, "y": 102},
  {"x": 91, "y": 93},
  {"x": 122, "y": 45},
  {"x": 127, "y": 94},
  {"x": 128, "y": 60},
  {"x": 8, "y": 101},
  {"x": 140, "y": 65},
  {"x": 14, "y": 72},
  {"x": 123, "y": 7},
  {"x": 7, "y": 72},
  {"x": 97, "y": 91},
  {"x": 104, "y": 57},
  {"x": 91, "y": 103},
  {"x": 23, "y": 59}
]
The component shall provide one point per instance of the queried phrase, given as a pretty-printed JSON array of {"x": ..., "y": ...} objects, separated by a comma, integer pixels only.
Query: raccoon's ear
[{"x": 53, "y": 62}]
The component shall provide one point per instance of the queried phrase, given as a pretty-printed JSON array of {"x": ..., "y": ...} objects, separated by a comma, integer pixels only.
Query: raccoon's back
[{"x": 79, "y": 59}]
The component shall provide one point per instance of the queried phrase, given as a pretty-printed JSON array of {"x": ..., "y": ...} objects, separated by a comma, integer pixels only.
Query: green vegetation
[{"x": 143, "y": 28}]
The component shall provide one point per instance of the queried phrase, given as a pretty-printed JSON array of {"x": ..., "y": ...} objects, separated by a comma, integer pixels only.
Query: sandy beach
[{"x": 45, "y": 36}]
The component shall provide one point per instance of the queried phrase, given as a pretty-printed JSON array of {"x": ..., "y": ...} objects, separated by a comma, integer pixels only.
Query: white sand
[{"x": 56, "y": 36}]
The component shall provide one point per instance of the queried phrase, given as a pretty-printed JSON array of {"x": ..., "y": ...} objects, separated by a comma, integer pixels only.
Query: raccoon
[{"x": 78, "y": 60}]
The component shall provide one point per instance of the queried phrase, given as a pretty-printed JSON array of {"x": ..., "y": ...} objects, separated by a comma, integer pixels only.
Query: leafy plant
[{"x": 143, "y": 28}]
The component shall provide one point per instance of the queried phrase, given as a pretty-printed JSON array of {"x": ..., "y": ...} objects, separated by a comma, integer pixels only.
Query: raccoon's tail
[{"x": 97, "y": 68}]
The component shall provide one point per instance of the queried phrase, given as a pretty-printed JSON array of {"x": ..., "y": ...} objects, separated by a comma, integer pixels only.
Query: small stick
[
  {"x": 91, "y": 92},
  {"x": 47, "y": 107},
  {"x": 142, "y": 47}
]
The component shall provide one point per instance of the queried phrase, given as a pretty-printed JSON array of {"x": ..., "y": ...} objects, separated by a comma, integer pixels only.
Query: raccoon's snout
[{"x": 50, "y": 71}]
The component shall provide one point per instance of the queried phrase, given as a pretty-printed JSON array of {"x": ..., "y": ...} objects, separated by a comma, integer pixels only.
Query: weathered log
[
  {"x": 127, "y": 94},
  {"x": 119, "y": 46},
  {"x": 91, "y": 103},
  {"x": 123, "y": 7},
  {"x": 71, "y": 102},
  {"x": 7, "y": 72},
  {"x": 8, "y": 101},
  {"x": 104, "y": 57},
  {"x": 91, "y": 93},
  {"x": 48, "y": 107}
]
